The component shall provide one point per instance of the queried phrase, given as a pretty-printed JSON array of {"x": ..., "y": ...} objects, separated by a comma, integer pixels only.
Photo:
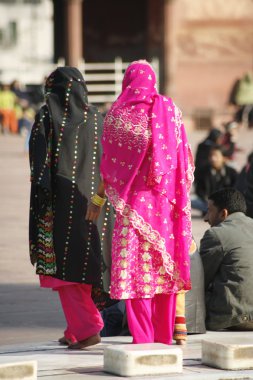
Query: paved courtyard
[
  {"x": 30, "y": 315},
  {"x": 55, "y": 362}
]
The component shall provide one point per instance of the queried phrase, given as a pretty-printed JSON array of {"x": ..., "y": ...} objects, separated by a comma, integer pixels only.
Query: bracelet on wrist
[{"x": 97, "y": 200}]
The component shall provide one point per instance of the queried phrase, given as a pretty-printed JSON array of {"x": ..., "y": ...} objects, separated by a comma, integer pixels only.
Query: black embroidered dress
[{"x": 65, "y": 156}]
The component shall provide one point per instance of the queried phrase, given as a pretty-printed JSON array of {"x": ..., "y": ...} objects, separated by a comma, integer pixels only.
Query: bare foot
[
  {"x": 180, "y": 342},
  {"x": 91, "y": 341}
]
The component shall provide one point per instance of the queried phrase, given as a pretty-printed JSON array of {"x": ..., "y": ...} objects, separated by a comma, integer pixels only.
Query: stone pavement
[
  {"x": 28, "y": 314},
  {"x": 56, "y": 362}
]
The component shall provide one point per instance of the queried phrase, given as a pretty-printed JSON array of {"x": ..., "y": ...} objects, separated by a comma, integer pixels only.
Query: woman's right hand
[{"x": 93, "y": 213}]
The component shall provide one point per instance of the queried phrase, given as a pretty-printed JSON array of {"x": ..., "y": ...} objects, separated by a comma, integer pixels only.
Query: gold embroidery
[
  {"x": 162, "y": 270},
  {"x": 126, "y": 222},
  {"x": 146, "y": 277},
  {"x": 123, "y": 285},
  {"x": 146, "y": 267},
  {"x": 123, "y": 253},
  {"x": 123, "y": 274},
  {"x": 160, "y": 280},
  {"x": 135, "y": 125},
  {"x": 146, "y": 256},
  {"x": 146, "y": 246},
  {"x": 123, "y": 242},
  {"x": 153, "y": 236},
  {"x": 147, "y": 288},
  {"x": 123, "y": 263},
  {"x": 124, "y": 231}
]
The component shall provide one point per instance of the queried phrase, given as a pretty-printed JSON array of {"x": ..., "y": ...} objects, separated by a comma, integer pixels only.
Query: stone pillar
[
  {"x": 154, "y": 28},
  {"x": 169, "y": 45},
  {"x": 74, "y": 32}
]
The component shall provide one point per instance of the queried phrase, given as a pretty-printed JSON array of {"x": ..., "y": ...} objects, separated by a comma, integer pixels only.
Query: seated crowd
[{"x": 17, "y": 109}]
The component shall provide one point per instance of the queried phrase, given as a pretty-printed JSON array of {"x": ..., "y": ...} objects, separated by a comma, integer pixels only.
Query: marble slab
[
  {"x": 228, "y": 353},
  {"x": 26, "y": 370},
  {"x": 142, "y": 359}
]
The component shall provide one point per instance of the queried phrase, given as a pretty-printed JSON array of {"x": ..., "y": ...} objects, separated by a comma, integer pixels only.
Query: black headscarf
[{"x": 65, "y": 156}]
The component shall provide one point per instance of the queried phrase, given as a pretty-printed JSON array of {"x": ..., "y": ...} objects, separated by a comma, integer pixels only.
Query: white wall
[{"x": 28, "y": 57}]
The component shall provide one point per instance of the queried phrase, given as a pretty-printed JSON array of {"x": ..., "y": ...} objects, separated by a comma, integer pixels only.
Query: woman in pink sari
[{"x": 147, "y": 171}]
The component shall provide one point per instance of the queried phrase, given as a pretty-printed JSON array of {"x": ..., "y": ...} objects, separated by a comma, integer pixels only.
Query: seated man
[{"x": 227, "y": 256}]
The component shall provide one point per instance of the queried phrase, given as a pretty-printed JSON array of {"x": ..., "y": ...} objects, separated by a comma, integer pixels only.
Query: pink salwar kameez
[
  {"x": 147, "y": 169},
  {"x": 151, "y": 319},
  {"x": 82, "y": 317}
]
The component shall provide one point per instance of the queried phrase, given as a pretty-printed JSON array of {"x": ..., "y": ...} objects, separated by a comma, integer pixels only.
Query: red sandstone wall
[{"x": 214, "y": 47}]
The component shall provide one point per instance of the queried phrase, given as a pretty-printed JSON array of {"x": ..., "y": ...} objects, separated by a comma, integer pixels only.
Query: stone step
[
  {"x": 142, "y": 359},
  {"x": 19, "y": 371},
  {"x": 228, "y": 353}
]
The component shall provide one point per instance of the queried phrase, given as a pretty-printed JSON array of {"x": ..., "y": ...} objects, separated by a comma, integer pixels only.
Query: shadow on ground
[{"x": 29, "y": 313}]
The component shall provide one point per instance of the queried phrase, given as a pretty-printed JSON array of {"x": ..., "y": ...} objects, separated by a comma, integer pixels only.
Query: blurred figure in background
[
  {"x": 241, "y": 183},
  {"x": 105, "y": 108},
  {"x": 214, "y": 138},
  {"x": 25, "y": 123},
  {"x": 25, "y": 112},
  {"x": 21, "y": 93},
  {"x": 8, "y": 101},
  {"x": 212, "y": 177},
  {"x": 243, "y": 98},
  {"x": 229, "y": 141}
]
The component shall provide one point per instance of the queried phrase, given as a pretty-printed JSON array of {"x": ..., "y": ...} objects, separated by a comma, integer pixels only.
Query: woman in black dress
[{"x": 71, "y": 253}]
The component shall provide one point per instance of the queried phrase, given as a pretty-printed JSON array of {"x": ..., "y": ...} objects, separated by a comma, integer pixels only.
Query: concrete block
[
  {"x": 19, "y": 371},
  {"x": 228, "y": 353},
  {"x": 142, "y": 359}
]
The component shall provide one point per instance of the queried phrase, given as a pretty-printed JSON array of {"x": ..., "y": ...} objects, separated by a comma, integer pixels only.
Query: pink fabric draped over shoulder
[{"x": 147, "y": 168}]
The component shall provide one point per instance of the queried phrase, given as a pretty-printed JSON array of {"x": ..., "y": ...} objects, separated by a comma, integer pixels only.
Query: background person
[
  {"x": 8, "y": 101},
  {"x": 242, "y": 178},
  {"x": 212, "y": 177},
  {"x": 214, "y": 137}
]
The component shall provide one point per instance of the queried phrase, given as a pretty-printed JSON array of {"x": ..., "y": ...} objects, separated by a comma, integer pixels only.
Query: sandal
[
  {"x": 91, "y": 341},
  {"x": 64, "y": 341}
]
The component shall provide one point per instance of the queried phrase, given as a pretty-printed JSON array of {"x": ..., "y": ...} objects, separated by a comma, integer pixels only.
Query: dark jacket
[
  {"x": 204, "y": 148},
  {"x": 226, "y": 252},
  {"x": 209, "y": 180},
  {"x": 249, "y": 192}
]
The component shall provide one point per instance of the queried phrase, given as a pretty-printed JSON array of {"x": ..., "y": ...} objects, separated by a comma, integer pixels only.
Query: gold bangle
[{"x": 97, "y": 200}]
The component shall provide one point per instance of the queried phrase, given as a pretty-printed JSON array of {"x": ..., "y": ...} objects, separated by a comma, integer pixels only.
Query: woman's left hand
[{"x": 93, "y": 212}]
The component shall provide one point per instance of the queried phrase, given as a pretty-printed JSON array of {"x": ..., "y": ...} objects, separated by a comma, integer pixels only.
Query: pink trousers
[
  {"x": 152, "y": 319},
  {"x": 82, "y": 316}
]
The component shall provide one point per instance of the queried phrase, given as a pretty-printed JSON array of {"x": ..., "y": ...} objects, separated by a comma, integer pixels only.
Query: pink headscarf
[{"x": 147, "y": 169}]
